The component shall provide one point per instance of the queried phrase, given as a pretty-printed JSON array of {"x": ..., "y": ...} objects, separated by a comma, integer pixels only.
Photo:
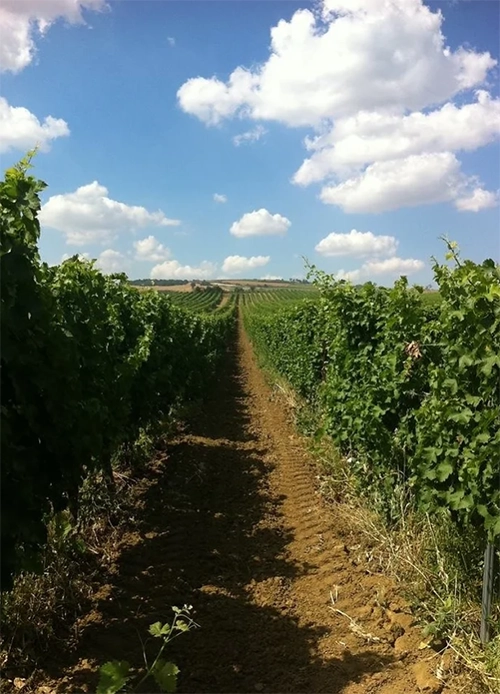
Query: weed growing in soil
[
  {"x": 114, "y": 676},
  {"x": 40, "y": 610}
]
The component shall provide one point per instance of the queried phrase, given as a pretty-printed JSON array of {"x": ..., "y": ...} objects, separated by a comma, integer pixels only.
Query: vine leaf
[
  {"x": 113, "y": 675},
  {"x": 165, "y": 674}
]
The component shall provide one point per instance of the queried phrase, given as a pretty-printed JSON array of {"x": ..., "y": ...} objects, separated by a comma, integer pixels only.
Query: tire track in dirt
[{"x": 228, "y": 519}]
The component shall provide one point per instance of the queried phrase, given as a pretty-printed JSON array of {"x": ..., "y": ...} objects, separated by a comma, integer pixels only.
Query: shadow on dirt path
[{"x": 230, "y": 523}]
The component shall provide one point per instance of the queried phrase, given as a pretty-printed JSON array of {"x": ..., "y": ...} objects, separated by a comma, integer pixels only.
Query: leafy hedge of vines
[
  {"x": 87, "y": 361},
  {"x": 410, "y": 393}
]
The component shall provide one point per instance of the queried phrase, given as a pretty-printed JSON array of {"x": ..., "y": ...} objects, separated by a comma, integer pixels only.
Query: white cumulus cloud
[
  {"x": 151, "y": 249},
  {"x": 89, "y": 215},
  {"x": 110, "y": 261},
  {"x": 364, "y": 56},
  {"x": 252, "y": 135},
  {"x": 24, "y": 21},
  {"x": 212, "y": 100},
  {"x": 389, "y": 185},
  {"x": 376, "y": 81},
  {"x": 357, "y": 243},
  {"x": 20, "y": 129},
  {"x": 260, "y": 223},
  {"x": 369, "y": 137},
  {"x": 219, "y": 197},
  {"x": 393, "y": 267},
  {"x": 172, "y": 269},
  {"x": 236, "y": 264},
  {"x": 80, "y": 256},
  {"x": 478, "y": 200}
]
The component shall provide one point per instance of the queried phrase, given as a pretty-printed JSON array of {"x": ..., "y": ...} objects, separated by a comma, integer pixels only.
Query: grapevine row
[
  {"x": 408, "y": 389},
  {"x": 201, "y": 300},
  {"x": 88, "y": 362}
]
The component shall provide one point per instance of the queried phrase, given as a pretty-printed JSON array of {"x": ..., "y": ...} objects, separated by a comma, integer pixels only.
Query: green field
[{"x": 198, "y": 300}]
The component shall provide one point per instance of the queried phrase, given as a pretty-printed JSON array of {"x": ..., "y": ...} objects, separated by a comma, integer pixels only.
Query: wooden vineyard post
[{"x": 489, "y": 560}]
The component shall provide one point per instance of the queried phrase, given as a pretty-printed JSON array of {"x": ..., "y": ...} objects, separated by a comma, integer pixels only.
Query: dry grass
[
  {"x": 170, "y": 288},
  {"x": 354, "y": 626},
  {"x": 259, "y": 283},
  {"x": 40, "y": 610},
  {"x": 40, "y": 613},
  {"x": 184, "y": 288},
  {"x": 438, "y": 578},
  {"x": 438, "y": 568}
]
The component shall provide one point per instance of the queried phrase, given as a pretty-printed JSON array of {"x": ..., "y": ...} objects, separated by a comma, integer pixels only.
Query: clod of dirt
[
  {"x": 407, "y": 643},
  {"x": 426, "y": 679},
  {"x": 403, "y": 620}
]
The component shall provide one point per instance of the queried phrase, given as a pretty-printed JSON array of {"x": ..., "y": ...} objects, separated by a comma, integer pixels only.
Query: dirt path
[
  {"x": 230, "y": 522},
  {"x": 225, "y": 299}
]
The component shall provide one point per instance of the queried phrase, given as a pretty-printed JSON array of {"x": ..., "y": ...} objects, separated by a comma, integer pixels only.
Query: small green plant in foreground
[{"x": 114, "y": 676}]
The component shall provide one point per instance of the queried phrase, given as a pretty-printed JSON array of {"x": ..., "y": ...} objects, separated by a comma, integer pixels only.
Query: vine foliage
[
  {"x": 87, "y": 363},
  {"x": 409, "y": 391}
]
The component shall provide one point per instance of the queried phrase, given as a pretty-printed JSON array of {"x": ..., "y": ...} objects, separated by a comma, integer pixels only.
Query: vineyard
[
  {"x": 268, "y": 300},
  {"x": 407, "y": 390},
  {"x": 198, "y": 300},
  {"x": 403, "y": 384},
  {"x": 88, "y": 362}
]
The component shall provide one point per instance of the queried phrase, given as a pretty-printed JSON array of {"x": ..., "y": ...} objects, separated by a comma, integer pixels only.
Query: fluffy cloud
[
  {"x": 357, "y": 243},
  {"x": 219, "y": 197},
  {"x": 479, "y": 199},
  {"x": 375, "y": 268},
  {"x": 374, "y": 137},
  {"x": 110, "y": 261},
  {"x": 236, "y": 264},
  {"x": 89, "y": 215},
  {"x": 389, "y": 185},
  {"x": 365, "y": 71},
  {"x": 260, "y": 223},
  {"x": 151, "y": 249},
  {"x": 363, "y": 57},
  {"x": 21, "y": 129},
  {"x": 171, "y": 40},
  {"x": 250, "y": 135},
  {"x": 271, "y": 277},
  {"x": 172, "y": 269},
  {"x": 362, "y": 244},
  {"x": 22, "y": 20},
  {"x": 212, "y": 100},
  {"x": 80, "y": 256},
  {"x": 393, "y": 266}
]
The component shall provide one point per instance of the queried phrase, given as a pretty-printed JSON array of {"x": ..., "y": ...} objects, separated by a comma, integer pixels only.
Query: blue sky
[{"x": 145, "y": 117}]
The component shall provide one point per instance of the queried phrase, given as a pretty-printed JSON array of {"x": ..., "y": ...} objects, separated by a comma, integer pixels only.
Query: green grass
[{"x": 431, "y": 298}]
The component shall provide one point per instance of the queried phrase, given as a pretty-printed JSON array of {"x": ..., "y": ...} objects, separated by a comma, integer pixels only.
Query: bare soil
[
  {"x": 277, "y": 284},
  {"x": 225, "y": 300},
  {"x": 229, "y": 519},
  {"x": 184, "y": 288}
]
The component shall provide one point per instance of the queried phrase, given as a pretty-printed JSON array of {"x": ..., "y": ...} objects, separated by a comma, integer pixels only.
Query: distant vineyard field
[
  {"x": 199, "y": 299},
  {"x": 212, "y": 298},
  {"x": 272, "y": 299}
]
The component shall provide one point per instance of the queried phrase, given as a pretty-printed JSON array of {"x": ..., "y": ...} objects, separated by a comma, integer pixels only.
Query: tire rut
[{"x": 230, "y": 520}]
